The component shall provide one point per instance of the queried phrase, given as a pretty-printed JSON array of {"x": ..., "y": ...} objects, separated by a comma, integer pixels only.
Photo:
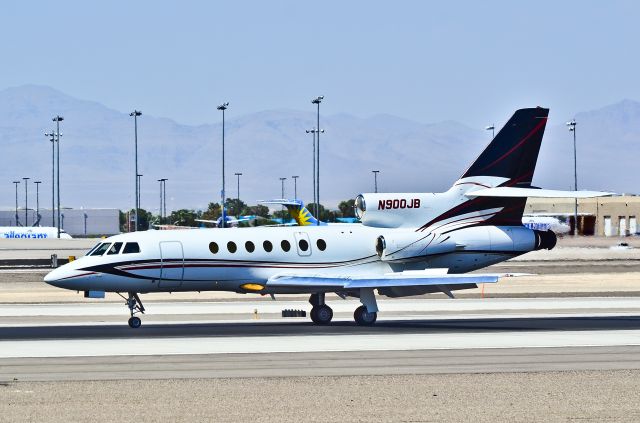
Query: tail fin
[
  {"x": 513, "y": 153},
  {"x": 297, "y": 210},
  {"x": 508, "y": 161}
]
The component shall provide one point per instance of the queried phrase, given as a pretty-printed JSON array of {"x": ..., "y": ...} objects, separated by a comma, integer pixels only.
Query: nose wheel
[
  {"x": 134, "y": 322},
  {"x": 134, "y": 304}
]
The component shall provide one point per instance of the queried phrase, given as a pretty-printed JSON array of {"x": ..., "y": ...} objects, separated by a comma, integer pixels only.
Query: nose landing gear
[{"x": 135, "y": 306}]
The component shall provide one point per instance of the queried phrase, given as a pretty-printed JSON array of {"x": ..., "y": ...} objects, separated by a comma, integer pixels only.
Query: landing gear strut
[
  {"x": 135, "y": 306},
  {"x": 321, "y": 314}
]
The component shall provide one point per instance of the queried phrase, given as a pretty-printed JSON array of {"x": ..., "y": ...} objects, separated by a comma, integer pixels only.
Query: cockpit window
[
  {"x": 95, "y": 247},
  {"x": 131, "y": 247},
  {"x": 101, "y": 249},
  {"x": 115, "y": 248}
]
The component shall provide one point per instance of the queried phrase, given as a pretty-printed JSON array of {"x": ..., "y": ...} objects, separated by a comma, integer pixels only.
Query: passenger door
[{"x": 171, "y": 264}]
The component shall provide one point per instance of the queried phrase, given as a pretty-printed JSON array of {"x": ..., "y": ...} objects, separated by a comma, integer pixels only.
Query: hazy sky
[{"x": 472, "y": 61}]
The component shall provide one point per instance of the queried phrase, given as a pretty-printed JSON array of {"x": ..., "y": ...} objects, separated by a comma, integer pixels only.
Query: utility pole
[
  {"x": 57, "y": 120},
  {"x": 282, "y": 196}
]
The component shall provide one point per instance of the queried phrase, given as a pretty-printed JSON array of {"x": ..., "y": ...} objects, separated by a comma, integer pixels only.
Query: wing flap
[
  {"x": 378, "y": 281},
  {"x": 512, "y": 192}
]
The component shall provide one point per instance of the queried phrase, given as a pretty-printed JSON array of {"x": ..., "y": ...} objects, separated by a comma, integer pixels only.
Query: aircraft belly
[{"x": 462, "y": 262}]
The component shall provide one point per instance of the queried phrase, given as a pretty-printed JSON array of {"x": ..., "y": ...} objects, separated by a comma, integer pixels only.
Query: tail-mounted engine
[{"x": 545, "y": 240}]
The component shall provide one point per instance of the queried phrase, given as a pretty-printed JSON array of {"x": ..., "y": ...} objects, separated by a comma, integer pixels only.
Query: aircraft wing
[
  {"x": 400, "y": 279},
  {"x": 506, "y": 192}
]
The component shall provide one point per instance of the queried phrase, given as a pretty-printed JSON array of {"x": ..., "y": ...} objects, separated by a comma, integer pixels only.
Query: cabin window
[
  {"x": 286, "y": 245},
  {"x": 115, "y": 248},
  {"x": 231, "y": 246},
  {"x": 213, "y": 247},
  {"x": 130, "y": 248},
  {"x": 322, "y": 245},
  {"x": 303, "y": 244},
  {"x": 250, "y": 246},
  {"x": 101, "y": 249},
  {"x": 268, "y": 246}
]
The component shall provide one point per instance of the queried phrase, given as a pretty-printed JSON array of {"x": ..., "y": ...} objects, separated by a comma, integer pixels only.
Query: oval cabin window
[
  {"x": 303, "y": 244},
  {"x": 231, "y": 246},
  {"x": 213, "y": 247},
  {"x": 286, "y": 246},
  {"x": 322, "y": 245}
]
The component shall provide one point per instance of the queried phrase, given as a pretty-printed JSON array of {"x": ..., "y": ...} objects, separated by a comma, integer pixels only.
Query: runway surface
[{"x": 414, "y": 337}]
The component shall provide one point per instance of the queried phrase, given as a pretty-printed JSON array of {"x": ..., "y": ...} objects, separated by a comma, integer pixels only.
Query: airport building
[
  {"x": 76, "y": 222},
  {"x": 604, "y": 216}
]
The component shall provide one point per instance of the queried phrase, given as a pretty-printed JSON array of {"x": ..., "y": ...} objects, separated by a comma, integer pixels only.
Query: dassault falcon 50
[{"x": 407, "y": 244}]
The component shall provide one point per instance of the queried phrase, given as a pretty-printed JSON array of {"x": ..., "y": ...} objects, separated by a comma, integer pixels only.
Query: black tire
[
  {"x": 135, "y": 322},
  {"x": 321, "y": 315},
  {"x": 363, "y": 317}
]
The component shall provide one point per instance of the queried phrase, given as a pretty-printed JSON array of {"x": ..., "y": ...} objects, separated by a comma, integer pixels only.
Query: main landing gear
[
  {"x": 321, "y": 314},
  {"x": 135, "y": 306}
]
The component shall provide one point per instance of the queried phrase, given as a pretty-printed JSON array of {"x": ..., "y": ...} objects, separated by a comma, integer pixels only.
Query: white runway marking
[
  {"x": 274, "y": 344},
  {"x": 338, "y": 306}
]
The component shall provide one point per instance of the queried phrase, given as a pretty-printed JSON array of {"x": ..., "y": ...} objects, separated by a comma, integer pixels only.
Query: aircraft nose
[{"x": 62, "y": 277}]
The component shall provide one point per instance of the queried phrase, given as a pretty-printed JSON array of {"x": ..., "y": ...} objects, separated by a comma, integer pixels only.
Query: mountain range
[{"x": 97, "y": 153}]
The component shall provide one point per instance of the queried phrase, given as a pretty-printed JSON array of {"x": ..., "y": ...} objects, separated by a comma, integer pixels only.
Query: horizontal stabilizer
[
  {"x": 512, "y": 192},
  {"x": 378, "y": 281}
]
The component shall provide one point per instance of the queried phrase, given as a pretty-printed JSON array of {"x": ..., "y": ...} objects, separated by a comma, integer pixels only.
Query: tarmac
[{"x": 561, "y": 344}]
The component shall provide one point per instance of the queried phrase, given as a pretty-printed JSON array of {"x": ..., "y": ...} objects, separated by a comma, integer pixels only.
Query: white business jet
[{"x": 408, "y": 244}]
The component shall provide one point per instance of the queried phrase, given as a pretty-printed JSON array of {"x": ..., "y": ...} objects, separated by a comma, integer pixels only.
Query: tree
[
  {"x": 324, "y": 214},
  {"x": 183, "y": 217},
  {"x": 235, "y": 207},
  {"x": 213, "y": 212},
  {"x": 259, "y": 210},
  {"x": 347, "y": 208}
]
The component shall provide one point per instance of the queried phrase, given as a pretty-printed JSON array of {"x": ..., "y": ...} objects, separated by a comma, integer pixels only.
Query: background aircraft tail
[{"x": 297, "y": 210}]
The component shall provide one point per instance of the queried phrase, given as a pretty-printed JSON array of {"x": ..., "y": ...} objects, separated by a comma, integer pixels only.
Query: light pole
[
  {"x": 135, "y": 115},
  {"x": 375, "y": 180},
  {"x": 572, "y": 128},
  {"x": 139, "y": 189},
  {"x": 314, "y": 131},
  {"x": 223, "y": 107},
  {"x": 38, "y": 200},
  {"x": 317, "y": 102},
  {"x": 57, "y": 120},
  {"x": 52, "y": 138},
  {"x": 164, "y": 197},
  {"x": 162, "y": 181},
  {"x": 26, "y": 201},
  {"x": 282, "y": 195},
  {"x": 16, "y": 183},
  {"x": 492, "y": 128},
  {"x": 295, "y": 186},
  {"x": 238, "y": 175}
]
